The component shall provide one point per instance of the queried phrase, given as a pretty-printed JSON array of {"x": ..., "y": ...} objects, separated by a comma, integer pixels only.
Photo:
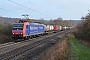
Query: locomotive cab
[{"x": 17, "y": 31}]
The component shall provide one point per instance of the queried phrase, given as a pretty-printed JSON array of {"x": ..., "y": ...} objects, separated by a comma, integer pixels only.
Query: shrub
[
  {"x": 5, "y": 29},
  {"x": 5, "y": 32},
  {"x": 71, "y": 36}
]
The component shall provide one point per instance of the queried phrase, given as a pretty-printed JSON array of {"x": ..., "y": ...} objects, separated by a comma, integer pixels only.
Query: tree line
[
  {"x": 83, "y": 29},
  {"x": 58, "y": 21}
]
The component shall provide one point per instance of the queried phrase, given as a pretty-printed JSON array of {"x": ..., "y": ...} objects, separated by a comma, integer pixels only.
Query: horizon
[{"x": 37, "y": 19}]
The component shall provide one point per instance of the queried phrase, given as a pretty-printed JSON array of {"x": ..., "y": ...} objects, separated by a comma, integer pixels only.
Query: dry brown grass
[{"x": 58, "y": 52}]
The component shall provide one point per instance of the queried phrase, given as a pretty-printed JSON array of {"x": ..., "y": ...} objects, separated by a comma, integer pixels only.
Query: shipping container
[
  {"x": 47, "y": 28},
  {"x": 56, "y": 27}
]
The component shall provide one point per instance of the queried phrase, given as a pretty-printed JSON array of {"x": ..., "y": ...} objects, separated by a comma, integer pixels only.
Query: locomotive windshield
[{"x": 18, "y": 26}]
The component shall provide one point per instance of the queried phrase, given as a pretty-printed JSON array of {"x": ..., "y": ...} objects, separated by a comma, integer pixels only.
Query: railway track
[
  {"x": 9, "y": 46},
  {"x": 25, "y": 46}
]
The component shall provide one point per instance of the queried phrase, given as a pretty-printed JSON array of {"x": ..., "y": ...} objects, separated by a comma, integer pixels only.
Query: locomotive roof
[{"x": 34, "y": 24}]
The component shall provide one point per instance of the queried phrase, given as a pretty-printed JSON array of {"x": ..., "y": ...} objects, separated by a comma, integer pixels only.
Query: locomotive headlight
[
  {"x": 21, "y": 33},
  {"x": 13, "y": 33}
]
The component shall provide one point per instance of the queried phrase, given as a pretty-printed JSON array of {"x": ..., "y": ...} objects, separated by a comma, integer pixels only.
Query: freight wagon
[
  {"x": 49, "y": 28},
  {"x": 56, "y": 28}
]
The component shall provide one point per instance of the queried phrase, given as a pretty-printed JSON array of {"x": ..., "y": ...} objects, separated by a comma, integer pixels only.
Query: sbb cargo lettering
[{"x": 33, "y": 28}]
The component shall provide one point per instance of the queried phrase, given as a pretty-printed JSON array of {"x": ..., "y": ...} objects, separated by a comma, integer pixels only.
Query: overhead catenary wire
[
  {"x": 34, "y": 4},
  {"x": 10, "y": 10},
  {"x": 28, "y": 8},
  {"x": 39, "y": 7}
]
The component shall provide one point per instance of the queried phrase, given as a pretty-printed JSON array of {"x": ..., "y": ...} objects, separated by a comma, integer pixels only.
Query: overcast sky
[{"x": 47, "y": 9}]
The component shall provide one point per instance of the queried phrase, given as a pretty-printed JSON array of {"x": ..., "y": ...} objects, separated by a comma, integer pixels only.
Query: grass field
[{"x": 82, "y": 52}]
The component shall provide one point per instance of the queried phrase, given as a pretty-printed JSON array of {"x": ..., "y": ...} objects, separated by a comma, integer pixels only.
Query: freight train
[{"x": 28, "y": 30}]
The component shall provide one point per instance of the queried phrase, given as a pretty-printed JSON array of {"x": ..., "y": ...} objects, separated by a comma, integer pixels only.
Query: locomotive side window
[{"x": 27, "y": 26}]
